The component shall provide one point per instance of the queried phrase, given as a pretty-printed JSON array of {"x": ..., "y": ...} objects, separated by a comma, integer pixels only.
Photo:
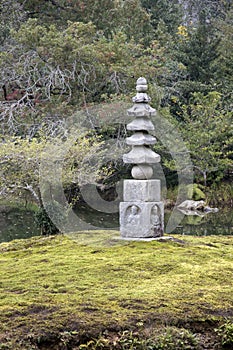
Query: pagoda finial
[
  {"x": 141, "y": 88},
  {"x": 141, "y": 84}
]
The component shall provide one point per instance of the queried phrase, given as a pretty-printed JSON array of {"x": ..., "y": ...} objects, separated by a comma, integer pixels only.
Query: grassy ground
[{"x": 60, "y": 292}]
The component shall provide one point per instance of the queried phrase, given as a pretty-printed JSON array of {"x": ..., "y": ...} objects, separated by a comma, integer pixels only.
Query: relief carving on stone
[
  {"x": 132, "y": 215},
  {"x": 155, "y": 219}
]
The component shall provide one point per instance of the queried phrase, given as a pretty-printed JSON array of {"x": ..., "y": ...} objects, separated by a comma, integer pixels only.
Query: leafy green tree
[
  {"x": 134, "y": 21},
  {"x": 43, "y": 220},
  {"x": 207, "y": 130},
  {"x": 194, "y": 9},
  {"x": 223, "y": 65},
  {"x": 53, "y": 71},
  {"x": 192, "y": 54},
  {"x": 60, "y": 11},
  {"x": 21, "y": 159},
  {"x": 12, "y": 15},
  {"x": 197, "y": 51},
  {"x": 170, "y": 12},
  {"x": 107, "y": 16}
]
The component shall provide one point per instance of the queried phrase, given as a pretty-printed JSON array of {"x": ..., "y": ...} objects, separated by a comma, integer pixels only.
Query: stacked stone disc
[{"x": 141, "y": 213}]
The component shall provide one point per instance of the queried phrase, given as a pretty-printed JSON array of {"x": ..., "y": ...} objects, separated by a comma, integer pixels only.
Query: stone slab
[
  {"x": 141, "y": 190},
  {"x": 141, "y": 220}
]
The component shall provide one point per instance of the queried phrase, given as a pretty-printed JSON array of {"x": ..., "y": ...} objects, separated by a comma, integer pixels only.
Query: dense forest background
[{"x": 58, "y": 57}]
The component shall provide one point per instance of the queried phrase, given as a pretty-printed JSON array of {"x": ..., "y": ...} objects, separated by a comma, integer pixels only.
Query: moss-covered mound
[{"x": 94, "y": 291}]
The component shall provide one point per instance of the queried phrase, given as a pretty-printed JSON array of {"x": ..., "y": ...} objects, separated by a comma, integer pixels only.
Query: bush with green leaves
[
  {"x": 174, "y": 338},
  {"x": 225, "y": 332},
  {"x": 45, "y": 218},
  {"x": 169, "y": 338}
]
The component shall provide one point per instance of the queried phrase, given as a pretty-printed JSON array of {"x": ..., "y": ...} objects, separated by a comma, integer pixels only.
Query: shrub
[
  {"x": 44, "y": 218},
  {"x": 175, "y": 338},
  {"x": 225, "y": 332}
]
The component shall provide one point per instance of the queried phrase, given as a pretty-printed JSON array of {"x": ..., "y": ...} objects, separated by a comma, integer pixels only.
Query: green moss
[{"x": 93, "y": 281}]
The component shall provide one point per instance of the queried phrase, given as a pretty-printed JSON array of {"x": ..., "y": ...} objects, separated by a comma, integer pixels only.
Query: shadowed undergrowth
[{"x": 62, "y": 290}]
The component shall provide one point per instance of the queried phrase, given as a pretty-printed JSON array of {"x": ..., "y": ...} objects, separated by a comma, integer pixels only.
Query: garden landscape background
[{"x": 68, "y": 74}]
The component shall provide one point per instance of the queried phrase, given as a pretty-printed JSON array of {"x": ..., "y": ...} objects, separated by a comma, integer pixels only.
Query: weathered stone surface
[
  {"x": 141, "y": 85},
  {"x": 141, "y": 155},
  {"x": 141, "y": 220},
  {"x": 140, "y": 124},
  {"x": 141, "y": 110},
  {"x": 191, "y": 204},
  {"x": 142, "y": 172},
  {"x": 141, "y": 97},
  {"x": 141, "y": 88},
  {"x": 142, "y": 191},
  {"x": 140, "y": 138},
  {"x": 142, "y": 212},
  {"x": 191, "y": 207}
]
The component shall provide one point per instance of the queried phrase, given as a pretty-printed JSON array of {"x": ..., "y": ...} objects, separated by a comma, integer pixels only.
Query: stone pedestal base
[{"x": 141, "y": 219}]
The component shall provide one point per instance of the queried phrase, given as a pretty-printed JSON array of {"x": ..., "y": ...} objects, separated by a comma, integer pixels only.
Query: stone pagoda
[{"x": 142, "y": 212}]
